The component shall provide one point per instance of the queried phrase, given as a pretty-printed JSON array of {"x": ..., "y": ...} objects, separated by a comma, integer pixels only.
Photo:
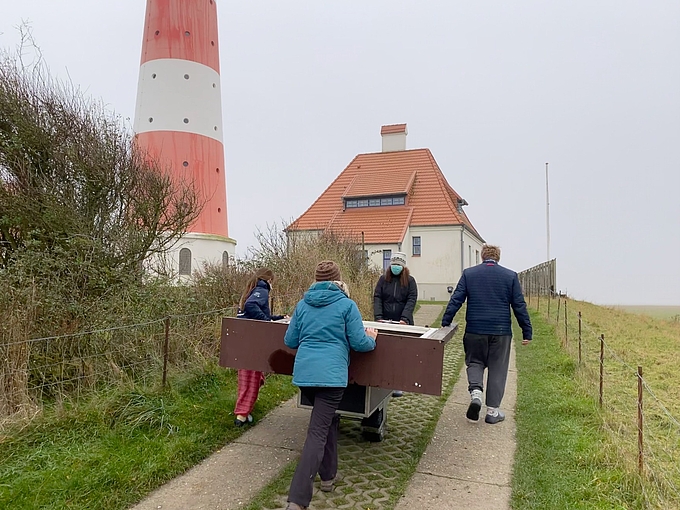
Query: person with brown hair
[
  {"x": 326, "y": 324},
  {"x": 254, "y": 304},
  {"x": 491, "y": 291}
]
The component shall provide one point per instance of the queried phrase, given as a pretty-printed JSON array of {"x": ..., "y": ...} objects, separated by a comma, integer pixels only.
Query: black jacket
[
  {"x": 393, "y": 302},
  {"x": 257, "y": 304},
  {"x": 491, "y": 291}
]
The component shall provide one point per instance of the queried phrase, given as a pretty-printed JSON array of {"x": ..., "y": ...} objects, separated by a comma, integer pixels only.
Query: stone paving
[{"x": 374, "y": 474}]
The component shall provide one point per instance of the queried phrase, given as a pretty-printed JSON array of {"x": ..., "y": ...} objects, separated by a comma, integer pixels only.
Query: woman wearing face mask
[{"x": 396, "y": 293}]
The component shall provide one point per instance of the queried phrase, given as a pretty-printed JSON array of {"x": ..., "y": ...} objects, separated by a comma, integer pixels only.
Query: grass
[
  {"x": 560, "y": 459},
  {"x": 112, "y": 450},
  {"x": 657, "y": 311}
]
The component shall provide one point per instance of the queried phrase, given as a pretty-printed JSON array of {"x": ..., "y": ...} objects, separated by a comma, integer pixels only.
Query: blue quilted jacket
[{"x": 491, "y": 291}]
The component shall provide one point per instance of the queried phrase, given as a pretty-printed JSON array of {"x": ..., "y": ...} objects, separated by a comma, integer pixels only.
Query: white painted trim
[{"x": 169, "y": 98}]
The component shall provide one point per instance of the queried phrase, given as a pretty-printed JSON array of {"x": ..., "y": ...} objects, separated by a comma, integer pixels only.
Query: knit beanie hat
[
  {"x": 398, "y": 259},
  {"x": 327, "y": 271}
]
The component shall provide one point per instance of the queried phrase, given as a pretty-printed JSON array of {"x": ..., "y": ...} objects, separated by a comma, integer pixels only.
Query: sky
[{"x": 494, "y": 89}]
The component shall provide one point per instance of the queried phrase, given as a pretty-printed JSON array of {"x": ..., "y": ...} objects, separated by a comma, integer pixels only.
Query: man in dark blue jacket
[{"x": 491, "y": 290}]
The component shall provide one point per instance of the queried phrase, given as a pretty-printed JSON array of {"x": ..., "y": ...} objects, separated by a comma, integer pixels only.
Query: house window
[
  {"x": 185, "y": 262},
  {"x": 476, "y": 256},
  {"x": 387, "y": 255},
  {"x": 351, "y": 203},
  {"x": 416, "y": 246},
  {"x": 225, "y": 259}
]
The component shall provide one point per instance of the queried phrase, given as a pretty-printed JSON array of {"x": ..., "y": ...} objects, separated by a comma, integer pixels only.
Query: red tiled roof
[
  {"x": 393, "y": 129},
  {"x": 431, "y": 200},
  {"x": 384, "y": 182},
  {"x": 377, "y": 225}
]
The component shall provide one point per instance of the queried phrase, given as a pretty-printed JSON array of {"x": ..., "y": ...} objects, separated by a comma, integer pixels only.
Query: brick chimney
[{"x": 393, "y": 137}]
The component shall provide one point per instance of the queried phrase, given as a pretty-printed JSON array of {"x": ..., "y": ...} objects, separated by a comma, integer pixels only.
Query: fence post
[
  {"x": 640, "y": 424},
  {"x": 166, "y": 347},
  {"x": 559, "y": 301},
  {"x": 601, "y": 366},
  {"x": 549, "y": 300},
  {"x": 566, "y": 325},
  {"x": 538, "y": 299},
  {"x": 579, "y": 337}
]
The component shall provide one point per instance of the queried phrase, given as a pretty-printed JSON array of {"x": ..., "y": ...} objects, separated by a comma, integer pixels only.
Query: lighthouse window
[
  {"x": 185, "y": 262},
  {"x": 185, "y": 163},
  {"x": 186, "y": 76},
  {"x": 186, "y": 121},
  {"x": 187, "y": 33},
  {"x": 225, "y": 259},
  {"x": 150, "y": 119}
]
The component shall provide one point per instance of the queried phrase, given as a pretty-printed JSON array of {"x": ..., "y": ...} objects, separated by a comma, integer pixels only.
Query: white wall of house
[
  {"x": 376, "y": 253},
  {"x": 439, "y": 264}
]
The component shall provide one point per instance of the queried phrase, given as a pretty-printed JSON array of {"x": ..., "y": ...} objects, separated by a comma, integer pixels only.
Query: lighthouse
[{"x": 178, "y": 119}]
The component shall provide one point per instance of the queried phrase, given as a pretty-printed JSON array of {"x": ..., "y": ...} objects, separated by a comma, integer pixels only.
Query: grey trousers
[
  {"x": 320, "y": 452},
  {"x": 492, "y": 352}
]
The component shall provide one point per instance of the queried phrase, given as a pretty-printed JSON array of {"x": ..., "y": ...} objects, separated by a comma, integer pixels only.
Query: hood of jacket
[
  {"x": 323, "y": 294},
  {"x": 264, "y": 284}
]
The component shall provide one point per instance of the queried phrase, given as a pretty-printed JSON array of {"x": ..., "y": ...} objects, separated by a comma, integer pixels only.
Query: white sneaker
[{"x": 475, "y": 405}]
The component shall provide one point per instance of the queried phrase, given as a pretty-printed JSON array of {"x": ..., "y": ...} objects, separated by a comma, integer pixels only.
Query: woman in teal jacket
[{"x": 323, "y": 328}]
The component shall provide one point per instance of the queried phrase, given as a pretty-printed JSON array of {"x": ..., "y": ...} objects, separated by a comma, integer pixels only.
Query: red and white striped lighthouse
[{"x": 178, "y": 118}]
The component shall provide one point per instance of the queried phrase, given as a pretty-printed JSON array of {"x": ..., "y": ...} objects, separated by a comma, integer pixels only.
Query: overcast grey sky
[{"x": 494, "y": 89}]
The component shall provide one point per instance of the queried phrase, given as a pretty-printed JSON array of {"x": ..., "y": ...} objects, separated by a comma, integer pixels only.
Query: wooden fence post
[
  {"x": 640, "y": 424},
  {"x": 601, "y": 366},
  {"x": 566, "y": 325},
  {"x": 557, "y": 321},
  {"x": 579, "y": 337},
  {"x": 166, "y": 347}
]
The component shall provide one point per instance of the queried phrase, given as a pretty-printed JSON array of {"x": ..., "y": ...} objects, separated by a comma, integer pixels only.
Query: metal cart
[{"x": 407, "y": 358}]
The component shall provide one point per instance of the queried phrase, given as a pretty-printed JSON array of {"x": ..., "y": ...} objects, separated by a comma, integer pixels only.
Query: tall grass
[{"x": 51, "y": 351}]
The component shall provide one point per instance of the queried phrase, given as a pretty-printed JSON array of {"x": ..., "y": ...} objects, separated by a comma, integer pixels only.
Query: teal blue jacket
[{"x": 323, "y": 328}]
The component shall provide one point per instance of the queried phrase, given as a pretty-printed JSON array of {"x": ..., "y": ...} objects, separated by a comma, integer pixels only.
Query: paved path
[
  {"x": 466, "y": 465},
  {"x": 470, "y": 463}
]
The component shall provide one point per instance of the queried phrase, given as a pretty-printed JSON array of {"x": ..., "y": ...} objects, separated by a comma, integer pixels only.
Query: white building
[{"x": 399, "y": 200}]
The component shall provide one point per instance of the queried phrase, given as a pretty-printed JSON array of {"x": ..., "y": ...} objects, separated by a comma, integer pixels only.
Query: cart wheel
[
  {"x": 373, "y": 437},
  {"x": 374, "y": 421}
]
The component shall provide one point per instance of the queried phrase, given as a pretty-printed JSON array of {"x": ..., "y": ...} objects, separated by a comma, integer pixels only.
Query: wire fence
[
  {"x": 36, "y": 371},
  {"x": 644, "y": 429}
]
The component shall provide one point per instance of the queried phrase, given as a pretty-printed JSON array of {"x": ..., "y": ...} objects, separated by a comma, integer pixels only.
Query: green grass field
[
  {"x": 559, "y": 463},
  {"x": 631, "y": 340},
  {"x": 109, "y": 452},
  {"x": 659, "y": 312}
]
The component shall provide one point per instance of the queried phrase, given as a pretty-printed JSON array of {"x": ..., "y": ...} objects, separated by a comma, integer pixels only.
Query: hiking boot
[
  {"x": 475, "y": 405},
  {"x": 496, "y": 417}
]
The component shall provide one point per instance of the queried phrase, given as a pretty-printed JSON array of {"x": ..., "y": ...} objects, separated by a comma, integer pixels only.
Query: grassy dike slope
[{"x": 560, "y": 461}]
